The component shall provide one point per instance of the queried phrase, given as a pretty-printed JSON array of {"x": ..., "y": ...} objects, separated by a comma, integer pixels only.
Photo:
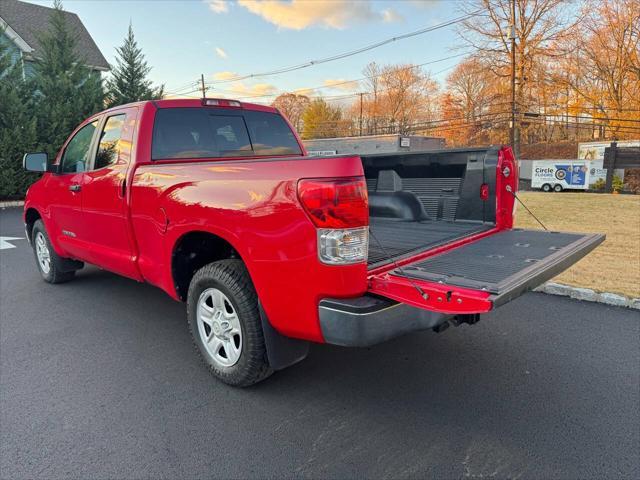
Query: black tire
[
  {"x": 546, "y": 187},
  {"x": 57, "y": 273},
  {"x": 232, "y": 279},
  {"x": 557, "y": 188}
]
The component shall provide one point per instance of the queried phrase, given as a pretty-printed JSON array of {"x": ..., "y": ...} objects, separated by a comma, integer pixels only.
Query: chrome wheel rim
[
  {"x": 42, "y": 252},
  {"x": 219, "y": 327}
]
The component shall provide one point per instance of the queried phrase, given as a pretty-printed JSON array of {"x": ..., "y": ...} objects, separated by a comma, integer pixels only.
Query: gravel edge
[
  {"x": 588, "y": 295},
  {"x": 11, "y": 203}
]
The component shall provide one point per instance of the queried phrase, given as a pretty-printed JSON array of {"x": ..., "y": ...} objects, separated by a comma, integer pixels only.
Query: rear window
[{"x": 202, "y": 133}]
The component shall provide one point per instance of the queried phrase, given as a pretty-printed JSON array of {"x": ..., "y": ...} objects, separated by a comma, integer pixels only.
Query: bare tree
[
  {"x": 292, "y": 106},
  {"x": 468, "y": 102},
  {"x": 372, "y": 72},
  {"x": 539, "y": 24},
  {"x": 407, "y": 96},
  {"x": 604, "y": 74}
]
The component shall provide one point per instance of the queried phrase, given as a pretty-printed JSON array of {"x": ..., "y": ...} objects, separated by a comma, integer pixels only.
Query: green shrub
[{"x": 617, "y": 184}]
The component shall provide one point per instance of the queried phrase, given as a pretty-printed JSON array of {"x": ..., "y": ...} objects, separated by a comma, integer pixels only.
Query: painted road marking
[{"x": 4, "y": 242}]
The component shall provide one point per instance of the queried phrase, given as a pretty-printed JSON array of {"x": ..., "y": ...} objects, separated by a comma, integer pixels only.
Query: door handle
[{"x": 75, "y": 188}]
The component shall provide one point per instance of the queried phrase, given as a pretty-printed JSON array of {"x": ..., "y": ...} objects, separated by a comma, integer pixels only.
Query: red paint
[
  {"x": 129, "y": 216},
  {"x": 505, "y": 201},
  {"x": 440, "y": 298}
]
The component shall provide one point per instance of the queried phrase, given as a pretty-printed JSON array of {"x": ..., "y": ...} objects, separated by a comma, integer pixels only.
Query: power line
[
  {"x": 355, "y": 80},
  {"x": 357, "y": 51}
]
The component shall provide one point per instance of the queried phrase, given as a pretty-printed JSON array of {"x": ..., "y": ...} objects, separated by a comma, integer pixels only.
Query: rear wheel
[
  {"x": 557, "y": 187},
  {"x": 546, "y": 187},
  {"x": 224, "y": 320},
  {"x": 49, "y": 262}
]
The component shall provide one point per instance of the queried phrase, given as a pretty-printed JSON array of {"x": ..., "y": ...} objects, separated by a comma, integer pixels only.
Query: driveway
[{"x": 99, "y": 379}]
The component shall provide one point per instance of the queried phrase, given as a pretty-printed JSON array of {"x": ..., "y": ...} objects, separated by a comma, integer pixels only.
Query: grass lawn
[{"x": 614, "y": 266}]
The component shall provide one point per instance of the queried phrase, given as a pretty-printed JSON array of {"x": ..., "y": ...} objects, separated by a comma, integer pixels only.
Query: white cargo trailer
[{"x": 559, "y": 175}]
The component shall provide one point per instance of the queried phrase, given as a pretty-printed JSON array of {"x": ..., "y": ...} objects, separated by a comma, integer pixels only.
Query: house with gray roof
[{"x": 20, "y": 25}]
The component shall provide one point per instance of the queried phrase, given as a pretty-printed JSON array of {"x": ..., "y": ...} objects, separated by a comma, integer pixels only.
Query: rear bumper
[{"x": 367, "y": 320}]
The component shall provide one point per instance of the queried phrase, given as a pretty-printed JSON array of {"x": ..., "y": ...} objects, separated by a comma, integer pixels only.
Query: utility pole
[
  {"x": 361, "y": 112},
  {"x": 202, "y": 84},
  {"x": 512, "y": 36}
]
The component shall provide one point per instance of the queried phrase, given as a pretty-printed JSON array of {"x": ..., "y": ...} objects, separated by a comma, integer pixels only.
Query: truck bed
[
  {"x": 393, "y": 239},
  {"x": 422, "y": 200}
]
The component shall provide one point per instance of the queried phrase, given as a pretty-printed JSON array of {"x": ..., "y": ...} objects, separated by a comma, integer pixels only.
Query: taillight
[
  {"x": 484, "y": 192},
  {"x": 340, "y": 210},
  {"x": 335, "y": 203}
]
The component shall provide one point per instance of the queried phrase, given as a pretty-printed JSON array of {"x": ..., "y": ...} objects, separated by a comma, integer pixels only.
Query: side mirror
[{"x": 36, "y": 162}]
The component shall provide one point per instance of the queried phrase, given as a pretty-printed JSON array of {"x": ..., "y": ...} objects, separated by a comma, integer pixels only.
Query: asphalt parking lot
[{"x": 99, "y": 379}]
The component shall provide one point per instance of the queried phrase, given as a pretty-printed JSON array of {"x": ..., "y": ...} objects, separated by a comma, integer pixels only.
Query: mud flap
[{"x": 282, "y": 351}]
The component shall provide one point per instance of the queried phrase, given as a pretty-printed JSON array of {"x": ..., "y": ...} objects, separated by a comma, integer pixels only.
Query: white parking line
[{"x": 4, "y": 242}]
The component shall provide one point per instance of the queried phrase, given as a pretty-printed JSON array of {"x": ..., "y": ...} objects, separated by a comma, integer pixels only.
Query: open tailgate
[{"x": 484, "y": 273}]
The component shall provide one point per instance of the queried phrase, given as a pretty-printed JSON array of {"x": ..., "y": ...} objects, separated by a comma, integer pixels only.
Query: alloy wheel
[
  {"x": 219, "y": 327},
  {"x": 43, "y": 254}
]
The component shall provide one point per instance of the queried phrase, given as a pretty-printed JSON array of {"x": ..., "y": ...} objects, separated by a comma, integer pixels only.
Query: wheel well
[
  {"x": 31, "y": 217},
  {"x": 192, "y": 252}
]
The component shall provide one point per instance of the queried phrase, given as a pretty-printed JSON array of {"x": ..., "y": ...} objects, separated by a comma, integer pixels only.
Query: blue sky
[{"x": 182, "y": 39}]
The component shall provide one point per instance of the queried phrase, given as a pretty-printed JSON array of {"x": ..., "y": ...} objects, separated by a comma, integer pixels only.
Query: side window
[
  {"x": 270, "y": 134},
  {"x": 76, "y": 156},
  {"x": 109, "y": 146}
]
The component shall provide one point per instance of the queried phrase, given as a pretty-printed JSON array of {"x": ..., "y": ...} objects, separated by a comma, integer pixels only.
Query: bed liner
[{"x": 395, "y": 239}]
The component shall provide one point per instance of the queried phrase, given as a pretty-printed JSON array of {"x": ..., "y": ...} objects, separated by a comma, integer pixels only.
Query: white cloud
[
  {"x": 240, "y": 89},
  {"x": 221, "y": 53},
  {"x": 424, "y": 3},
  {"x": 391, "y": 16},
  {"x": 341, "y": 84},
  {"x": 309, "y": 92},
  {"x": 225, "y": 75},
  {"x": 300, "y": 14},
  {"x": 218, "y": 6}
]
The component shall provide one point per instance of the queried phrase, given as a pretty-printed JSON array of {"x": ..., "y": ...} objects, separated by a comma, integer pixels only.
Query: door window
[
  {"x": 109, "y": 146},
  {"x": 76, "y": 156}
]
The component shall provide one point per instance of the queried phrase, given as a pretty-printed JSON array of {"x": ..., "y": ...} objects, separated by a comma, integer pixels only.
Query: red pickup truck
[{"x": 217, "y": 203}]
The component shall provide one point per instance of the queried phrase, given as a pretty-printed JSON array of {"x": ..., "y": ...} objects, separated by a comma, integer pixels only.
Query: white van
[{"x": 559, "y": 175}]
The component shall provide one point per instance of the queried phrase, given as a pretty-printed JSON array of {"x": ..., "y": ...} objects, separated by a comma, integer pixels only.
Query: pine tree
[
  {"x": 65, "y": 90},
  {"x": 17, "y": 128},
  {"x": 129, "y": 82}
]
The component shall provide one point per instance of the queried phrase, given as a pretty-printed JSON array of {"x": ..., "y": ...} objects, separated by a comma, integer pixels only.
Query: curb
[
  {"x": 12, "y": 203},
  {"x": 588, "y": 295}
]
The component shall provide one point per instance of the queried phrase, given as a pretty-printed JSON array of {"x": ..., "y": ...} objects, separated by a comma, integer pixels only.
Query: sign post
[{"x": 610, "y": 155}]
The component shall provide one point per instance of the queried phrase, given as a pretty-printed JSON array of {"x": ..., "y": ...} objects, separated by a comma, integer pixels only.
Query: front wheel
[
  {"x": 49, "y": 262},
  {"x": 222, "y": 309}
]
